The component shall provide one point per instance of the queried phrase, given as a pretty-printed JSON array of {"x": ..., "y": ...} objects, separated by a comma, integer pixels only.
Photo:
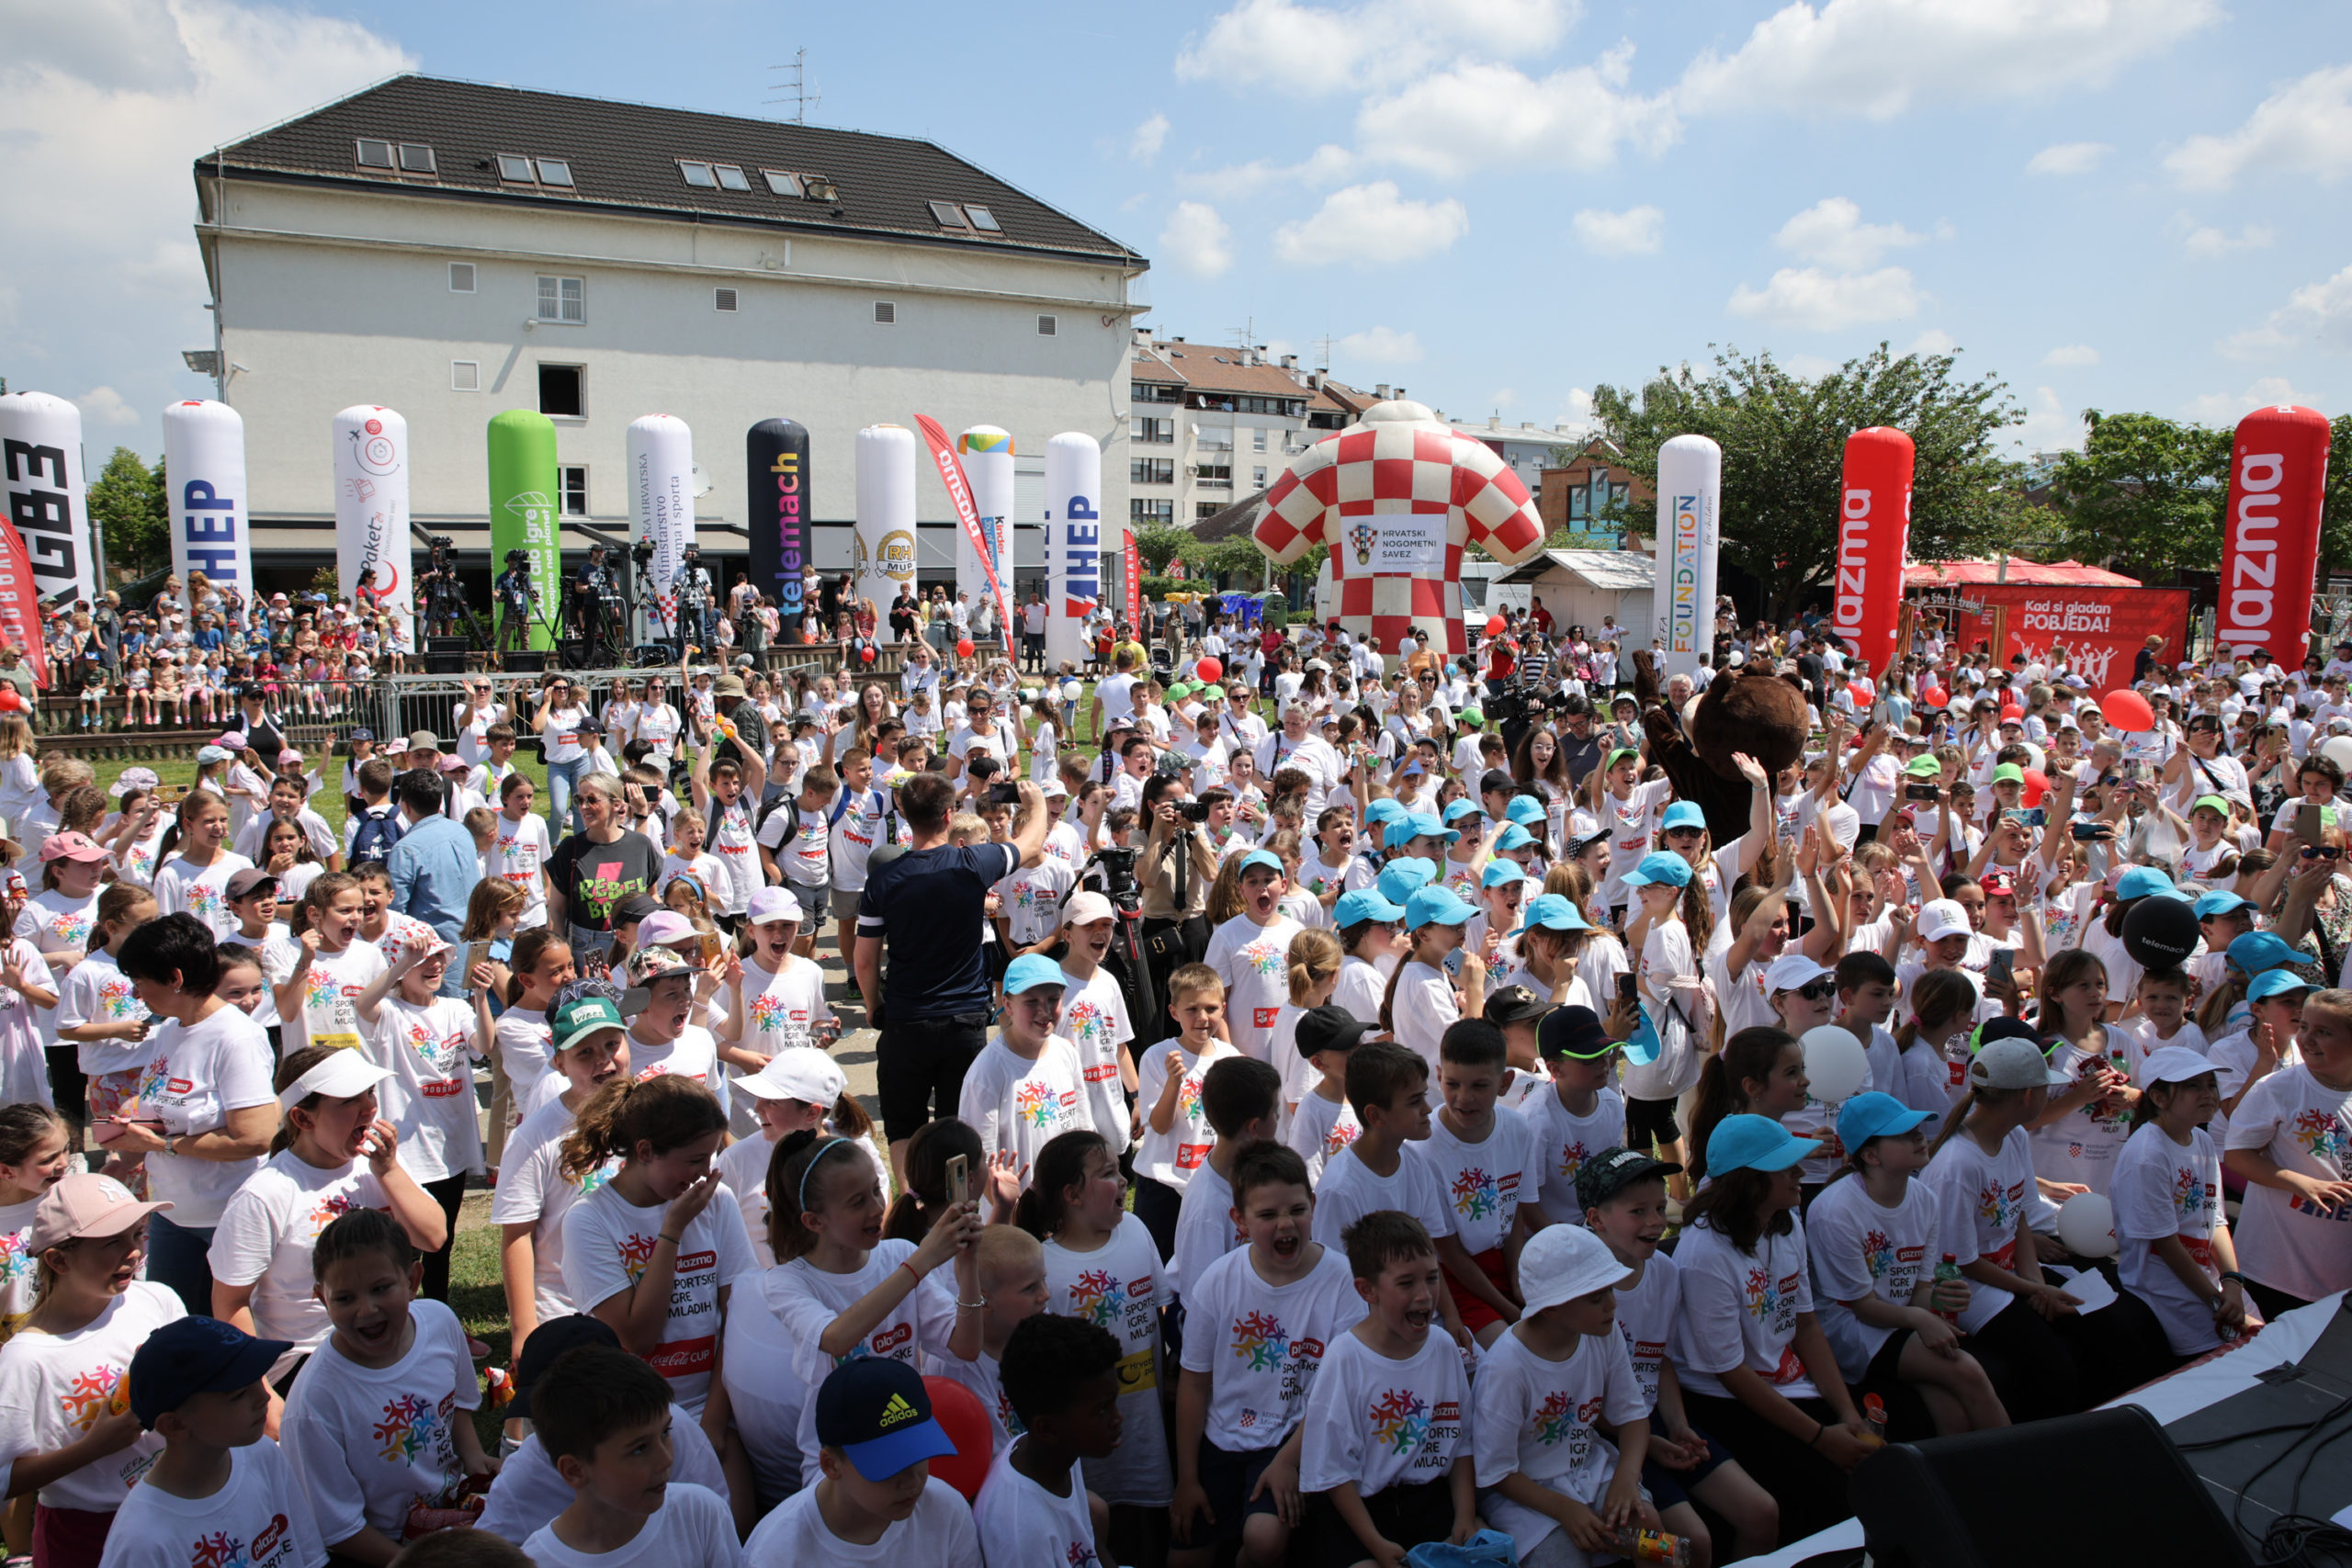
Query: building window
[
  {"x": 465, "y": 375},
  {"x": 698, "y": 174},
  {"x": 415, "y": 158},
  {"x": 1155, "y": 432},
  {"x": 1213, "y": 475},
  {"x": 1151, "y": 470},
  {"x": 1145, "y": 511},
  {"x": 781, "y": 183},
  {"x": 462, "y": 277},
  {"x": 563, "y": 391},
  {"x": 1045, "y": 326},
  {"x": 1202, "y": 509},
  {"x": 1257, "y": 478},
  {"x": 573, "y": 482},
  {"x": 730, "y": 178},
  {"x": 1257, "y": 439},
  {"x": 369, "y": 154},
  {"x": 983, "y": 219},
  {"x": 723, "y": 299},
  {"x": 555, "y": 171},
  {"x": 564, "y": 300},
  {"x": 1157, "y": 392},
  {"x": 885, "y": 313},
  {"x": 513, "y": 166}
]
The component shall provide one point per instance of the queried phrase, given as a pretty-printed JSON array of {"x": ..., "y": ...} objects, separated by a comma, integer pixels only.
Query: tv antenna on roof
[{"x": 794, "y": 87}]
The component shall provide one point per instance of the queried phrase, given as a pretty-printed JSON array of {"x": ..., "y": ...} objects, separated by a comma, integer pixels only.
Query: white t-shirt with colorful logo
[
  {"x": 518, "y": 855},
  {"x": 266, "y": 1234},
  {"x": 2162, "y": 1190},
  {"x": 1739, "y": 1309},
  {"x": 1484, "y": 1182},
  {"x": 533, "y": 1191},
  {"x": 1254, "y": 962},
  {"x": 607, "y": 1243},
  {"x": 2288, "y": 1243},
  {"x": 1863, "y": 1248},
  {"x": 201, "y": 891},
  {"x": 1117, "y": 1287},
  {"x": 430, "y": 1050},
  {"x": 1566, "y": 1141},
  {"x": 1380, "y": 1423},
  {"x": 1319, "y": 1129},
  {"x": 1017, "y": 1103},
  {"x": 1171, "y": 1158},
  {"x": 1537, "y": 1418},
  {"x": 1094, "y": 1020},
  {"x": 55, "y": 1387},
  {"x": 257, "y": 1519},
  {"x": 369, "y": 1444},
  {"x": 1263, "y": 1345}
]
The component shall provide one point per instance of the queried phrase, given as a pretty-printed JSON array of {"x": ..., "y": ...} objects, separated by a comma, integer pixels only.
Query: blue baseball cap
[
  {"x": 190, "y": 1355},
  {"x": 2142, "y": 881},
  {"x": 1456, "y": 810},
  {"x": 1387, "y": 809},
  {"x": 2257, "y": 951},
  {"x": 1436, "y": 906},
  {"x": 1873, "y": 1115},
  {"x": 1553, "y": 912},
  {"x": 1513, "y": 837},
  {"x": 1400, "y": 879},
  {"x": 1423, "y": 822},
  {"x": 2221, "y": 902},
  {"x": 1666, "y": 868},
  {"x": 1363, "y": 904},
  {"x": 1754, "y": 1142},
  {"x": 877, "y": 1413},
  {"x": 1682, "y": 814},
  {"x": 1525, "y": 809},
  {"x": 1266, "y": 858},
  {"x": 1032, "y": 969},
  {"x": 1502, "y": 874},
  {"x": 2276, "y": 982}
]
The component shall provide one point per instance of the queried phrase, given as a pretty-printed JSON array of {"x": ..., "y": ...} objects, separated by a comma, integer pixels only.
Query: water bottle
[
  {"x": 1949, "y": 1269},
  {"x": 1875, "y": 1412},
  {"x": 1636, "y": 1545}
]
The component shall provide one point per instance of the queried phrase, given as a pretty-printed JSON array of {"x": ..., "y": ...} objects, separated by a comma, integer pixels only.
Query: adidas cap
[{"x": 877, "y": 1412}]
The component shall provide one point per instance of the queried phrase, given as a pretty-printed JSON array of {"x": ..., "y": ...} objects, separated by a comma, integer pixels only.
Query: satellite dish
[{"x": 703, "y": 485}]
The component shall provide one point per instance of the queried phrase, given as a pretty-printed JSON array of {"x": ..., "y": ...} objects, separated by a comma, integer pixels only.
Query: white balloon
[
  {"x": 1834, "y": 1064},
  {"x": 2338, "y": 750},
  {"x": 2036, "y": 759},
  {"x": 2086, "y": 1225}
]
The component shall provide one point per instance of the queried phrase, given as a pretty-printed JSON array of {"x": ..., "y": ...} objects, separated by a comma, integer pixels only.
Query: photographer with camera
[
  {"x": 1172, "y": 877},
  {"x": 693, "y": 588},
  {"x": 437, "y": 590},
  {"x": 514, "y": 594}
]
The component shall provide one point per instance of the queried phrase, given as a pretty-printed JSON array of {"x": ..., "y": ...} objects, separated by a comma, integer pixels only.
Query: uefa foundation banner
[{"x": 2102, "y": 629}]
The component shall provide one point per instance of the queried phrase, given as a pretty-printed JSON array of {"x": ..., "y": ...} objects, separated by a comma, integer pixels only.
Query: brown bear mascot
[{"x": 1753, "y": 711}]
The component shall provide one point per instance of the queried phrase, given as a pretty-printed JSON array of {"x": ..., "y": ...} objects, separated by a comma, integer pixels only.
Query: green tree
[
  {"x": 1783, "y": 438},
  {"x": 2145, "y": 490},
  {"x": 1161, "y": 543},
  {"x": 2335, "y": 519},
  {"x": 129, "y": 514}
]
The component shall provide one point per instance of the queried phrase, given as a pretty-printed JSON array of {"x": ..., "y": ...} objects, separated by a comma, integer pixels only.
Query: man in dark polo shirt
[{"x": 926, "y": 905}]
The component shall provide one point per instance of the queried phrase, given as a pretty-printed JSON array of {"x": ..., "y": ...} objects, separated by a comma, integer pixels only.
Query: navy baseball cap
[
  {"x": 190, "y": 1355},
  {"x": 877, "y": 1412},
  {"x": 547, "y": 1341}
]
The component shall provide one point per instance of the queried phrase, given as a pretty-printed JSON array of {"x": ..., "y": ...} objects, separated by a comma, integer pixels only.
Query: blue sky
[{"x": 2120, "y": 204}]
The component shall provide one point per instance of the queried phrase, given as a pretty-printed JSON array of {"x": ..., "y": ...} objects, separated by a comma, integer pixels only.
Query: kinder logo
[{"x": 890, "y": 1339}]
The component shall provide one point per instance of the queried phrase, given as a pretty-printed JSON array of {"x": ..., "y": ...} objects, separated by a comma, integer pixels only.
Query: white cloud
[
  {"x": 1148, "y": 138},
  {"x": 1635, "y": 232},
  {"x": 1808, "y": 366},
  {"x": 1195, "y": 240},
  {"x": 1878, "y": 58},
  {"x": 1576, "y": 410},
  {"x": 2048, "y": 426},
  {"x": 1935, "y": 340},
  {"x": 104, "y": 405},
  {"x": 1831, "y": 231},
  {"x": 2068, "y": 158},
  {"x": 103, "y": 106},
  {"x": 1370, "y": 225},
  {"x": 2072, "y": 354},
  {"x": 1819, "y": 300},
  {"x": 1328, "y": 164},
  {"x": 2203, "y": 241},
  {"x": 1380, "y": 345},
  {"x": 2226, "y": 408},
  {"x": 1482, "y": 116},
  {"x": 1503, "y": 398},
  {"x": 2303, "y": 128},
  {"x": 1306, "y": 51},
  {"x": 2317, "y": 311}
]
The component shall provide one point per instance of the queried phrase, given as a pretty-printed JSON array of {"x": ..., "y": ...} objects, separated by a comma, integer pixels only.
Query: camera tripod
[{"x": 1126, "y": 959}]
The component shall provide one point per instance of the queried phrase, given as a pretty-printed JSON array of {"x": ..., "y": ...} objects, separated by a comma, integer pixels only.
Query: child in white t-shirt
[
  {"x": 1026, "y": 1086},
  {"x": 2176, "y": 1252},
  {"x": 379, "y": 1426},
  {"x": 2291, "y": 1137},
  {"x": 1062, "y": 1379},
  {"x": 600, "y": 1414},
  {"x": 1176, "y": 1131},
  {"x": 1323, "y": 1124},
  {"x": 879, "y": 1500}
]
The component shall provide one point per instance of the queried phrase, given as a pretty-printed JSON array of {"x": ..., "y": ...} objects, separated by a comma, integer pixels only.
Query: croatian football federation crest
[{"x": 1364, "y": 536}]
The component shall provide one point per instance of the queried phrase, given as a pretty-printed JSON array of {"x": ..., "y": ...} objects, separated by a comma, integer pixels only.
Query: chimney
[
  {"x": 1314, "y": 380},
  {"x": 1143, "y": 337},
  {"x": 1290, "y": 361},
  {"x": 1381, "y": 391},
  {"x": 1400, "y": 393},
  {"x": 1494, "y": 422},
  {"x": 1178, "y": 338}
]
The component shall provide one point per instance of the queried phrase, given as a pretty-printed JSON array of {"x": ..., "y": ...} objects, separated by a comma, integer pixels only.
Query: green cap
[
  {"x": 1924, "y": 767},
  {"x": 2008, "y": 773},
  {"x": 1472, "y": 716},
  {"x": 1619, "y": 755},
  {"x": 582, "y": 1017},
  {"x": 1179, "y": 692},
  {"x": 2212, "y": 802}
]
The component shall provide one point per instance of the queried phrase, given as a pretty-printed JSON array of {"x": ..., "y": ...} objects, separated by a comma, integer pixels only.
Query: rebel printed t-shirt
[{"x": 607, "y": 1243}]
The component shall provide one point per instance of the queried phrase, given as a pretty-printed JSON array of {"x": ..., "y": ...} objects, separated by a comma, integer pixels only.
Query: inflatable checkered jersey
[{"x": 1395, "y": 497}]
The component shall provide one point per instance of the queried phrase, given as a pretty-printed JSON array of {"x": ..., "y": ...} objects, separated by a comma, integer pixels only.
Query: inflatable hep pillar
[
  {"x": 40, "y": 468},
  {"x": 520, "y": 443},
  {"x": 204, "y": 476},
  {"x": 1073, "y": 543},
  {"x": 371, "y": 485},
  {"x": 2270, "y": 532},
  {"x": 1873, "y": 532},
  {"x": 776, "y": 483},
  {"x": 1395, "y": 497},
  {"x": 1690, "y": 531}
]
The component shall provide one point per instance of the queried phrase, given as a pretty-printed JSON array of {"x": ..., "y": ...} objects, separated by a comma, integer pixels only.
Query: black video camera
[
  {"x": 440, "y": 544},
  {"x": 641, "y": 552},
  {"x": 518, "y": 558},
  {"x": 1118, "y": 873}
]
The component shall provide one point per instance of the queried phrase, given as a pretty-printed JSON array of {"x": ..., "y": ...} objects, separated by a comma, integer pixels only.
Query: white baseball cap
[
  {"x": 1941, "y": 917},
  {"x": 799, "y": 1072},
  {"x": 2174, "y": 1064},
  {"x": 1085, "y": 906},
  {"x": 1793, "y": 971},
  {"x": 1561, "y": 1263},
  {"x": 772, "y": 903}
]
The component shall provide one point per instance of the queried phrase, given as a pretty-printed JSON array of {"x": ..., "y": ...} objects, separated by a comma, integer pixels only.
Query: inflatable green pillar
[{"x": 523, "y": 510}]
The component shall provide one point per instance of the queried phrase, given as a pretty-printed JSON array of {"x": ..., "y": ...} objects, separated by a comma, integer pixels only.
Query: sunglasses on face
[
  {"x": 2326, "y": 852},
  {"x": 1818, "y": 991}
]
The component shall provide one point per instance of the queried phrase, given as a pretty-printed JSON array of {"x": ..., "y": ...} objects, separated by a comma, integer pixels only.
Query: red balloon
[
  {"x": 2127, "y": 709},
  {"x": 1210, "y": 669},
  {"x": 2010, "y": 711},
  {"x": 1873, "y": 528},
  {"x": 2037, "y": 785},
  {"x": 964, "y": 1419},
  {"x": 1937, "y": 697},
  {"x": 963, "y": 649},
  {"x": 1495, "y": 625},
  {"x": 10, "y": 699},
  {"x": 866, "y": 654}
]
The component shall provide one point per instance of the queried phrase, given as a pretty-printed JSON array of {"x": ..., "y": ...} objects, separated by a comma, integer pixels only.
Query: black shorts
[
  {"x": 1229, "y": 1478},
  {"x": 1409, "y": 1514},
  {"x": 1647, "y": 1119},
  {"x": 1669, "y": 1487}
]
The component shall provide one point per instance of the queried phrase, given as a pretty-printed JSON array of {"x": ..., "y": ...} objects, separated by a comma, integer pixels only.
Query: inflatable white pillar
[
  {"x": 1073, "y": 543},
  {"x": 987, "y": 455},
  {"x": 372, "y": 493},
  {"x": 204, "y": 477},
  {"x": 661, "y": 511},
  {"x": 884, "y": 556},
  {"x": 1689, "y": 535},
  {"x": 47, "y": 492}
]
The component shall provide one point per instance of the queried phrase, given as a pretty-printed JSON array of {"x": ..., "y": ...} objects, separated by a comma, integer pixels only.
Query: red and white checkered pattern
[{"x": 1400, "y": 460}]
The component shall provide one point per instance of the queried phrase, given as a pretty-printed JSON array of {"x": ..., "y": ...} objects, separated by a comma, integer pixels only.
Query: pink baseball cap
[
  {"x": 84, "y": 1203},
  {"x": 661, "y": 929},
  {"x": 70, "y": 846}
]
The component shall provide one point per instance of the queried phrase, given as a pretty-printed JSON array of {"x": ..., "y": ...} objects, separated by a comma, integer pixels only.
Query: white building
[
  {"x": 453, "y": 250},
  {"x": 1211, "y": 425}
]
